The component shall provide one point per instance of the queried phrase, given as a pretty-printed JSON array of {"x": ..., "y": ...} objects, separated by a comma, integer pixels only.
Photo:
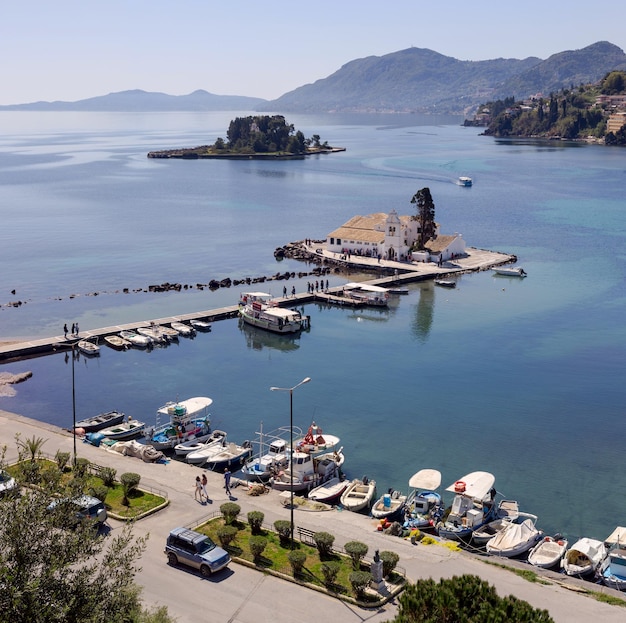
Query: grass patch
[
  {"x": 527, "y": 574},
  {"x": 608, "y": 599},
  {"x": 275, "y": 557},
  {"x": 140, "y": 502}
]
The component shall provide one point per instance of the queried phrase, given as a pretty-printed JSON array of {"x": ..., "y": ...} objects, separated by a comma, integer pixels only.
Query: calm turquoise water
[{"x": 521, "y": 378}]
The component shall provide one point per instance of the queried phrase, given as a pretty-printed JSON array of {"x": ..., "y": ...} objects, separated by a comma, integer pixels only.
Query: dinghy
[
  {"x": 359, "y": 494},
  {"x": 548, "y": 553}
]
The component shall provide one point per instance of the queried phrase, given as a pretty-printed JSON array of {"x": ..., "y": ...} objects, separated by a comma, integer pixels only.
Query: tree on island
[
  {"x": 264, "y": 134},
  {"x": 425, "y": 216}
]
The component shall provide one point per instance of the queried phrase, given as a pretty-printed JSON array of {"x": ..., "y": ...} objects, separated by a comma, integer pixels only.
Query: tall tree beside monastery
[{"x": 425, "y": 215}]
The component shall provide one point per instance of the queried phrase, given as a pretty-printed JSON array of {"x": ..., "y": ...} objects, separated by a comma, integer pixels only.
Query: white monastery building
[{"x": 391, "y": 237}]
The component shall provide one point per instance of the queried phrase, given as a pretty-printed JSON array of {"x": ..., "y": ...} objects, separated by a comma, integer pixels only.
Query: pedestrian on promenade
[
  {"x": 284, "y": 291},
  {"x": 65, "y": 330},
  {"x": 76, "y": 329},
  {"x": 73, "y": 329},
  {"x": 227, "y": 481},
  {"x": 198, "y": 489},
  {"x": 204, "y": 484},
  {"x": 293, "y": 291}
]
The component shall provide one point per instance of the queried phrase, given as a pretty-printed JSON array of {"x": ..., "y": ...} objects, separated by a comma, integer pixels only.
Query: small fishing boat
[
  {"x": 194, "y": 445},
  {"x": 155, "y": 332},
  {"x": 612, "y": 570},
  {"x": 389, "y": 506},
  {"x": 169, "y": 332},
  {"x": 515, "y": 538},
  {"x": 359, "y": 494},
  {"x": 445, "y": 283},
  {"x": 584, "y": 557},
  {"x": 231, "y": 455},
  {"x": 98, "y": 422},
  {"x": 267, "y": 463},
  {"x": 423, "y": 504},
  {"x": 509, "y": 271},
  {"x": 328, "y": 492},
  {"x": 89, "y": 346},
  {"x": 126, "y": 430},
  {"x": 183, "y": 329},
  {"x": 200, "y": 325},
  {"x": 373, "y": 296},
  {"x": 208, "y": 449},
  {"x": 315, "y": 442},
  {"x": 117, "y": 342},
  {"x": 549, "y": 552},
  {"x": 398, "y": 290},
  {"x": 135, "y": 339},
  {"x": 306, "y": 471}
]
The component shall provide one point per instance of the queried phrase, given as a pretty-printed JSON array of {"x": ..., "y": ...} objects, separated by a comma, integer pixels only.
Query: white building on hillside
[{"x": 390, "y": 237}]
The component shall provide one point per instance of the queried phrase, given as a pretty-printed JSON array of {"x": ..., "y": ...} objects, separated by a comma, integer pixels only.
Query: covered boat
[
  {"x": 255, "y": 309},
  {"x": 515, "y": 539},
  {"x": 135, "y": 339},
  {"x": 358, "y": 495},
  {"x": 613, "y": 567},
  {"x": 472, "y": 506},
  {"x": 584, "y": 557},
  {"x": 507, "y": 512},
  {"x": 146, "y": 453}
]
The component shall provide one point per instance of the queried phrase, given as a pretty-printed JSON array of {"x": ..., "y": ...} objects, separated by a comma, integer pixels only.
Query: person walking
[
  {"x": 204, "y": 492},
  {"x": 73, "y": 329},
  {"x": 198, "y": 492},
  {"x": 76, "y": 329},
  {"x": 65, "y": 330},
  {"x": 227, "y": 481}
]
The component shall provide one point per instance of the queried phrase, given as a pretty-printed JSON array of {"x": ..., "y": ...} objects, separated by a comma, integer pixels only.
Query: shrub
[
  {"x": 30, "y": 472},
  {"x": 226, "y": 535},
  {"x": 51, "y": 478},
  {"x": 389, "y": 560},
  {"x": 359, "y": 580},
  {"x": 324, "y": 542},
  {"x": 283, "y": 528},
  {"x": 62, "y": 459},
  {"x": 99, "y": 491},
  {"x": 297, "y": 558},
  {"x": 230, "y": 511},
  {"x": 255, "y": 521},
  {"x": 356, "y": 550},
  {"x": 330, "y": 570},
  {"x": 80, "y": 467},
  {"x": 257, "y": 546},
  {"x": 130, "y": 481},
  {"x": 108, "y": 476}
]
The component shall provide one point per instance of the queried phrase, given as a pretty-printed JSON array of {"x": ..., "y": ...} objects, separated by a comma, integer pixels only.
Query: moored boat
[
  {"x": 445, "y": 283},
  {"x": 510, "y": 271},
  {"x": 374, "y": 296},
  {"x": 328, "y": 492},
  {"x": 306, "y": 471},
  {"x": 89, "y": 346},
  {"x": 389, "y": 506},
  {"x": 423, "y": 504},
  {"x": 612, "y": 570},
  {"x": 183, "y": 329},
  {"x": 315, "y": 441},
  {"x": 207, "y": 449},
  {"x": 231, "y": 455},
  {"x": 255, "y": 309},
  {"x": 200, "y": 325},
  {"x": 515, "y": 538},
  {"x": 584, "y": 557},
  {"x": 135, "y": 339},
  {"x": 155, "y": 332},
  {"x": 359, "y": 494},
  {"x": 125, "y": 430},
  {"x": 117, "y": 342},
  {"x": 185, "y": 420},
  {"x": 548, "y": 553},
  {"x": 194, "y": 445},
  {"x": 98, "y": 422},
  {"x": 267, "y": 462}
]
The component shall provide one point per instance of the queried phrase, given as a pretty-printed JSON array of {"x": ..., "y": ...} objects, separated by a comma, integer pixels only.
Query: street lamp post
[{"x": 291, "y": 390}]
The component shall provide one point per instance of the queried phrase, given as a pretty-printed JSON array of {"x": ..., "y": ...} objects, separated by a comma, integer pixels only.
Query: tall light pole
[{"x": 291, "y": 390}]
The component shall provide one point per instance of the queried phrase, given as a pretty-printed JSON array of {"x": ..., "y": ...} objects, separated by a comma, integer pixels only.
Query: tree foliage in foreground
[
  {"x": 51, "y": 574},
  {"x": 463, "y": 599}
]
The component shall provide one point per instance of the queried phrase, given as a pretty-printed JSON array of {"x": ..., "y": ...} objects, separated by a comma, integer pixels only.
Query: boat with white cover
[
  {"x": 516, "y": 538},
  {"x": 472, "y": 506},
  {"x": 423, "y": 501},
  {"x": 200, "y": 325},
  {"x": 612, "y": 570},
  {"x": 584, "y": 557},
  {"x": 507, "y": 512},
  {"x": 135, "y": 339},
  {"x": 184, "y": 420},
  {"x": 510, "y": 271},
  {"x": 548, "y": 553},
  {"x": 155, "y": 332},
  {"x": 359, "y": 495},
  {"x": 257, "y": 310}
]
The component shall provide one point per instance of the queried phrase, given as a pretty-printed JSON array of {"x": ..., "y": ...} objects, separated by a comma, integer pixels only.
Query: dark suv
[
  {"x": 82, "y": 508},
  {"x": 195, "y": 550}
]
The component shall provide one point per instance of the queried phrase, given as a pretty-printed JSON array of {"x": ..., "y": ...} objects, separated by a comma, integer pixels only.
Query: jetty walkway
[{"x": 398, "y": 273}]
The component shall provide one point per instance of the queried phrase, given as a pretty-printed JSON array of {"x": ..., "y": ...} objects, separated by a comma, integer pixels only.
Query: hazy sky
[{"x": 75, "y": 49}]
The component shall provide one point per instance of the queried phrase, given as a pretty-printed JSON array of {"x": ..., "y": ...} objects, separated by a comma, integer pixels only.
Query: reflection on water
[
  {"x": 257, "y": 339},
  {"x": 423, "y": 319}
]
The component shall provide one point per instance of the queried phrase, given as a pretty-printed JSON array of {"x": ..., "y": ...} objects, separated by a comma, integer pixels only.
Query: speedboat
[
  {"x": 184, "y": 420},
  {"x": 549, "y": 552},
  {"x": 510, "y": 271},
  {"x": 584, "y": 557},
  {"x": 98, "y": 422},
  {"x": 472, "y": 506},
  {"x": 207, "y": 449},
  {"x": 445, "y": 283},
  {"x": 255, "y": 309},
  {"x": 183, "y": 329},
  {"x": 135, "y": 339},
  {"x": 125, "y": 430},
  {"x": 230, "y": 455},
  {"x": 359, "y": 494},
  {"x": 328, "y": 492},
  {"x": 612, "y": 570},
  {"x": 423, "y": 502},
  {"x": 516, "y": 538},
  {"x": 464, "y": 181},
  {"x": 89, "y": 347}
]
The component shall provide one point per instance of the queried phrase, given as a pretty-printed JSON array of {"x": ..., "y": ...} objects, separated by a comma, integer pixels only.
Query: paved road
[{"x": 243, "y": 595}]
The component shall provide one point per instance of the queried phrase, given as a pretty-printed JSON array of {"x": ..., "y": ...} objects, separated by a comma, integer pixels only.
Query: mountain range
[{"x": 411, "y": 80}]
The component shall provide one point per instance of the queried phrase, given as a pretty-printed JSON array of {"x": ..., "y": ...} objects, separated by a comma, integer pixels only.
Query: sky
[{"x": 75, "y": 49}]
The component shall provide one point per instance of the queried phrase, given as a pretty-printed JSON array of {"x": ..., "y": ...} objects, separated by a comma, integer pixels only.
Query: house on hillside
[{"x": 391, "y": 237}]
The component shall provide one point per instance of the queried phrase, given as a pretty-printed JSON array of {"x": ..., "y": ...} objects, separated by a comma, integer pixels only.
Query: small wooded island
[{"x": 261, "y": 136}]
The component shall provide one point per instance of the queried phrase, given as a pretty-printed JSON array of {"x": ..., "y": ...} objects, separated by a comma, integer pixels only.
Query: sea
[{"x": 523, "y": 378}]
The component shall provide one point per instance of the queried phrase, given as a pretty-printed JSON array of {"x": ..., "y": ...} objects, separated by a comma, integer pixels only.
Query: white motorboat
[
  {"x": 612, "y": 570},
  {"x": 548, "y": 553},
  {"x": 423, "y": 501},
  {"x": 195, "y": 445},
  {"x": 98, "y": 422},
  {"x": 206, "y": 450},
  {"x": 89, "y": 346},
  {"x": 306, "y": 471},
  {"x": 169, "y": 332},
  {"x": 200, "y": 325},
  {"x": 330, "y": 491},
  {"x": 374, "y": 296},
  {"x": 389, "y": 506},
  {"x": 267, "y": 462},
  {"x": 315, "y": 441},
  {"x": 255, "y": 309},
  {"x": 117, "y": 342},
  {"x": 445, "y": 283},
  {"x": 510, "y": 271},
  {"x": 359, "y": 495},
  {"x": 126, "y": 430},
  {"x": 155, "y": 332},
  {"x": 183, "y": 329},
  {"x": 184, "y": 420},
  {"x": 464, "y": 181},
  {"x": 507, "y": 512},
  {"x": 584, "y": 557},
  {"x": 135, "y": 339},
  {"x": 515, "y": 538},
  {"x": 231, "y": 455},
  {"x": 473, "y": 494}
]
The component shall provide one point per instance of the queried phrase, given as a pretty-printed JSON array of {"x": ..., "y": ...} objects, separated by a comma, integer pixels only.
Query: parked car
[
  {"x": 7, "y": 483},
  {"x": 196, "y": 550},
  {"x": 83, "y": 508}
]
